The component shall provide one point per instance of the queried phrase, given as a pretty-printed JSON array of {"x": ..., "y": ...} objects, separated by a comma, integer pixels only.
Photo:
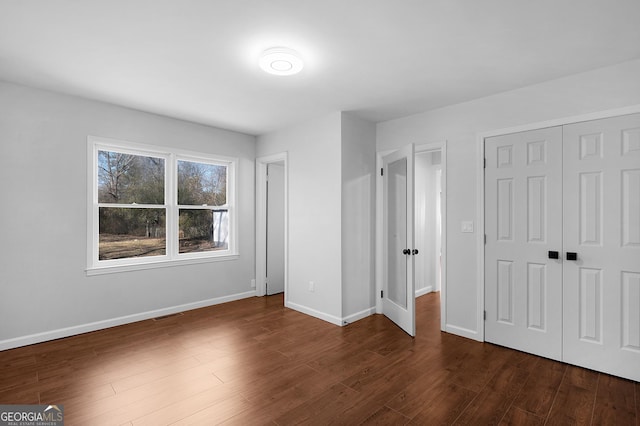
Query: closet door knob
[
  {"x": 415, "y": 251},
  {"x": 554, "y": 255},
  {"x": 572, "y": 255},
  {"x": 406, "y": 251}
]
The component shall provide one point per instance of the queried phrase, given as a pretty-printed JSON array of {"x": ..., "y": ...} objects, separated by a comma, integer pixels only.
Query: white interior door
[
  {"x": 602, "y": 228},
  {"x": 275, "y": 228},
  {"x": 398, "y": 301},
  {"x": 523, "y": 225}
]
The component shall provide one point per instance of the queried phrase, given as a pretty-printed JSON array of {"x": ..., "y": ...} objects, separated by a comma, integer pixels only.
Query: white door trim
[
  {"x": 261, "y": 223},
  {"x": 442, "y": 146},
  {"x": 480, "y": 138}
]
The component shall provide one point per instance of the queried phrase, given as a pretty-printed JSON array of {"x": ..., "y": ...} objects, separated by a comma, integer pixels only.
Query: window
[
  {"x": 203, "y": 223},
  {"x": 149, "y": 206},
  {"x": 132, "y": 213}
]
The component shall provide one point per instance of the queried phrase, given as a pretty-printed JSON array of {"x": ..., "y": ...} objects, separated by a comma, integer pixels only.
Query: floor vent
[{"x": 179, "y": 314}]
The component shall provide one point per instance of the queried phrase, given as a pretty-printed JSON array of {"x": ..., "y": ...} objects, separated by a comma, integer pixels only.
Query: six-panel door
[
  {"x": 574, "y": 190},
  {"x": 523, "y": 202},
  {"x": 602, "y": 227}
]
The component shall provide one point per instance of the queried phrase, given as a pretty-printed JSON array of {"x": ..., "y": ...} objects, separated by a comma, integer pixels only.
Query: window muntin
[{"x": 152, "y": 206}]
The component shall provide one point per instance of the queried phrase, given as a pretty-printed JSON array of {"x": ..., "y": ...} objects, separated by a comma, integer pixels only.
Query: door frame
[
  {"x": 261, "y": 221},
  {"x": 379, "y": 273},
  {"x": 480, "y": 214}
]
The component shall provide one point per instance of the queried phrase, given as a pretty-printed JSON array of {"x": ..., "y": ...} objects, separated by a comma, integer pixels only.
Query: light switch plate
[{"x": 467, "y": 226}]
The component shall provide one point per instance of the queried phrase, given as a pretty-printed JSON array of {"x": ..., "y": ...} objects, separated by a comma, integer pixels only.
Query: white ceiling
[{"x": 382, "y": 59}]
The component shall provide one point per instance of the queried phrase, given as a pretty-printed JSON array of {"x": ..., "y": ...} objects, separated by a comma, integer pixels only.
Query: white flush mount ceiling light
[{"x": 281, "y": 61}]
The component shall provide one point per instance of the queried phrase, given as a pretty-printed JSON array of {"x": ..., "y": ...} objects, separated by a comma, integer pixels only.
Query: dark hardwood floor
[{"x": 254, "y": 362}]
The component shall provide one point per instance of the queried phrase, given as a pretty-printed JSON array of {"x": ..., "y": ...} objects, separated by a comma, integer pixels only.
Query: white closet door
[
  {"x": 602, "y": 227},
  {"x": 523, "y": 220}
]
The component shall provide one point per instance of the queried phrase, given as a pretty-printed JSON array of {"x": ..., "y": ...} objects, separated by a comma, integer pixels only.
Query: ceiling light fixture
[{"x": 281, "y": 61}]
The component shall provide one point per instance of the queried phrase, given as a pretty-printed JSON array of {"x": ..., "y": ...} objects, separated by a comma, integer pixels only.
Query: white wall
[
  {"x": 607, "y": 88},
  {"x": 314, "y": 198},
  {"x": 358, "y": 214},
  {"x": 44, "y": 291}
]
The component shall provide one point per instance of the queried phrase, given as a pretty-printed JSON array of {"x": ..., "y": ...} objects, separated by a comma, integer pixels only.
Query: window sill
[{"x": 113, "y": 269}]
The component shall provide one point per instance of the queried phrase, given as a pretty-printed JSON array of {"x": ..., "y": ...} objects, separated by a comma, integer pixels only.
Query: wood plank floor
[{"x": 254, "y": 362}]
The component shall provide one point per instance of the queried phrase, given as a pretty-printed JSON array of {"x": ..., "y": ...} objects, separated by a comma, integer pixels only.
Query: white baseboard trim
[
  {"x": 358, "y": 315},
  {"x": 423, "y": 291},
  {"x": 464, "y": 332},
  {"x": 17, "y": 342},
  {"x": 312, "y": 312}
]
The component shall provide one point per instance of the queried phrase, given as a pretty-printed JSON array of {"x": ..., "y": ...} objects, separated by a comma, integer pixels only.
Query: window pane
[
  {"x": 200, "y": 184},
  {"x": 127, "y": 178},
  {"x": 126, "y": 233},
  {"x": 203, "y": 230}
]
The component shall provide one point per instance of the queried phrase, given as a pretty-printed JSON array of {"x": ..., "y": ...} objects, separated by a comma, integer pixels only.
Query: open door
[
  {"x": 271, "y": 225},
  {"x": 398, "y": 290}
]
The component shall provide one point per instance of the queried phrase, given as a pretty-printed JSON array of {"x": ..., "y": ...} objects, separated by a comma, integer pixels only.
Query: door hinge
[
  {"x": 485, "y": 239},
  {"x": 381, "y": 294},
  {"x": 381, "y": 171},
  {"x": 485, "y": 315},
  {"x": 485, "y": 163}
]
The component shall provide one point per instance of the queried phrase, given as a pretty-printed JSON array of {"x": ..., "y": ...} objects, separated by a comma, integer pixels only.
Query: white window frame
[{"x": 172, "y": 256}]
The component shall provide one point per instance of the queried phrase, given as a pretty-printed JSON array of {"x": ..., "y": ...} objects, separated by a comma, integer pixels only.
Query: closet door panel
[
  {"x": 601, "y": 297},
  {"x": 523, "y": 210}
]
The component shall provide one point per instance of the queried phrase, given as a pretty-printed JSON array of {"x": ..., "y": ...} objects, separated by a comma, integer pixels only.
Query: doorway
[
  {"x": 428, "y": 221},
  {"x": 275, "y": 228},
  {"x": 271, "y": 225}
]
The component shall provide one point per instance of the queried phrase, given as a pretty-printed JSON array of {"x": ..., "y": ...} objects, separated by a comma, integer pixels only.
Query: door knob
[
  {"x": 553, "y": 255},
  {"x": 415, "y": 251},
  {"x": 406, "y": 251},
  {"x": 572, "y": 255}
]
